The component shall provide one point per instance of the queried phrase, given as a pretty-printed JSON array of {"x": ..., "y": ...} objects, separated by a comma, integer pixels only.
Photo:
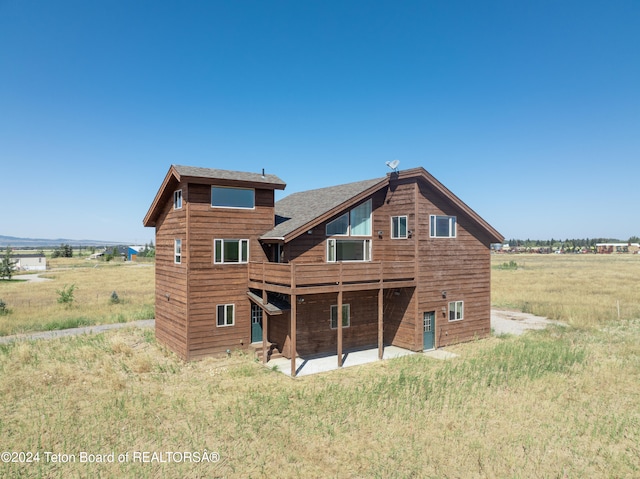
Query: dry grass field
[
  {"x": 583, "y": 290},
  {"x": 561, "y": 403},
  {"x": 34, "y": 305}
]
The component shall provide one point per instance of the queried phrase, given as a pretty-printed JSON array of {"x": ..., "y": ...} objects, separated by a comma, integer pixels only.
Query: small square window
[
  {"x": 456, "y": 310},
  {"x": 398, "y": 227},
  {"x": 225, "y": 315}
]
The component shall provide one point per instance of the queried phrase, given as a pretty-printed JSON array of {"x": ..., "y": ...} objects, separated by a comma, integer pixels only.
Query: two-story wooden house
[{"x": 395, "y": 260}]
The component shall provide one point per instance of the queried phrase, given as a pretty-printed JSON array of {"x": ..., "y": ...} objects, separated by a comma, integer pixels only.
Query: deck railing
[{"x": 301, "y": 275}]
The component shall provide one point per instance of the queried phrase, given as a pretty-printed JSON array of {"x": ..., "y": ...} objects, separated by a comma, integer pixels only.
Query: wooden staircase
[{"x": 272, "y": 351}]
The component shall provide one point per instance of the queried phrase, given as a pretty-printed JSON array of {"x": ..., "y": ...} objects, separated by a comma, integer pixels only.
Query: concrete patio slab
[{"x": 329, "y": 362}]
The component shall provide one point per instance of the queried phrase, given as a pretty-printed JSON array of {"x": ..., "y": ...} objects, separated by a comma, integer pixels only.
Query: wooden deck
[{"x": 312, "y": 278}]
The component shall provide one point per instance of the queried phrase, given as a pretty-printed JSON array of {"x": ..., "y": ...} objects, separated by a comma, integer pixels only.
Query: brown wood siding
[
  {"x": 171, "y": 279},
  {"x": 213, "y": 284},
  {"x": 461, "y": 267},
  {"x": 399, "y": 318},
  {"x": 187, "y": 294},
  {"x": 399, "y": 201},
  {"x": 314, "y": 333}
]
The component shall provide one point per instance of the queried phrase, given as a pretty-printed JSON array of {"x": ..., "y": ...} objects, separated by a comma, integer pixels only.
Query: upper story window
[
  {"x": 339, "y": 226},
  {"x": 177, "y": 199},
  {"x": 348, "y": 250},
  {"x": 231, "y": 251},
  {"x": 360, "y": 218},
  {"x": 225, "y": 197},
  {"x": 355, "y": 223},
  {"x": 177, "y": 251},
  {"x": 398, "y": 227},
  {"x": 442, "y": 226}
]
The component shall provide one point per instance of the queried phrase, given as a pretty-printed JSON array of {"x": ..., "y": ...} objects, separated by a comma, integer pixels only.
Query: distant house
[
  {"x": 609, "y": 248},
  {"x": 134, "y": 251},
  {"x": 115, "y": 251},
  {"x": 30, "y": 262},
  {"x": 398, "y": 260}
]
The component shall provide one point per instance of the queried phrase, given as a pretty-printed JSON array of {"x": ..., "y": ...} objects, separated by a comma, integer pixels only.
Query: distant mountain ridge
[{"x": 16, "y": 242}]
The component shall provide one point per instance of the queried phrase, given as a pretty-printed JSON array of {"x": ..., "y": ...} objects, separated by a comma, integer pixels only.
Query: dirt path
[
  {"x": 31, "y": 278},
  {"x": 517, "y": 322},
  {"x": 98, "y": 328}
]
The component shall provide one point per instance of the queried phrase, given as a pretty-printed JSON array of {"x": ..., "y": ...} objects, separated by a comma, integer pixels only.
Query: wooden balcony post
[
  {"x": 340, "y": 327},
  {"x": 265, "y": 322},
  {"x": 294, "y": 314},
  {"x": 380, "y": 322},
  {"x": 381, "y": 313}
]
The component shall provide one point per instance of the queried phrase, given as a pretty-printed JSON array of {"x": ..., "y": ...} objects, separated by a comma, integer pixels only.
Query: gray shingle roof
[
  {"x": 299, "y": 209},
  {"x": 228, "y": 175}
]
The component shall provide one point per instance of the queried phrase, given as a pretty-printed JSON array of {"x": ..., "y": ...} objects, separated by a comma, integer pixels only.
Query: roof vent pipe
[{"x": 263, "y": 172}]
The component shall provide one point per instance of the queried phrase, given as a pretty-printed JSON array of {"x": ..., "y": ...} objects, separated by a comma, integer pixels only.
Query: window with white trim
[
  {"x": 355, "y": 223},
  {"x": 225, "y": 315},
  {"x": 348, "y": 250},
  {"x": 339, "y": 226},
  {"x": 227, "y": 197},
  {"x": 177, "y": 251},
  {"x": 177, "y": 199},
  {"x": 230, "y": 251},
  {"x": 399, "y": 227},
  {"x": 346, "y": 316},
  {"x": 442, "y": 226},
  {"x": 360, "y": 218},
  {"x": 456, "y": 310}
]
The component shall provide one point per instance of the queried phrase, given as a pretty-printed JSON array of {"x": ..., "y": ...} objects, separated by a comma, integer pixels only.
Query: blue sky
[{"x": 528, "y": 111}]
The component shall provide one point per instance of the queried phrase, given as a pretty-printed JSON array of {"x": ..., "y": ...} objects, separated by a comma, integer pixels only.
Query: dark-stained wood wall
[
  {"x": 460, "y": 266},
  {"x": 171, "y": 279},
  {"x": 187, "y": 294}
]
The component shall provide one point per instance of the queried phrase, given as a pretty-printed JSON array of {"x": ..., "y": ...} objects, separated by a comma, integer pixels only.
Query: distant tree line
[
  {"x": 149, "y": 251},
  {"x": 63, "y": 251},
  {"x": 567, "y": 243}
]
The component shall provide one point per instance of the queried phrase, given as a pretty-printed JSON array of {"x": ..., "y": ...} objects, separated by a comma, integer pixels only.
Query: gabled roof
[
  {"x": 178, "y": 173},
  {"x": 234, "y": 176},
  {"x": 301, "y": 211}
]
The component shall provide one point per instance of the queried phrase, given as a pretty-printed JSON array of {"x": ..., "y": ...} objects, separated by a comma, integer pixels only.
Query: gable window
[
  {"x": 231, "y": 251},
  {"x": 225, "y": 197},
  {"x": 339, "y": 226},
  {"x": 442, "y": 226},
  {"x": 398, "y": 227},
  {"x": 348, "y": 250},
  {"x": 177, "y": 251},
  {"x": 177, "y": 199},
  {"x": 225, "y": 315},
  {"x": 361, "y": 219},
  {"x": 346, "y": 316},
  {"x": 355, "y": 223},
  {"x": 456, "y": 310}
]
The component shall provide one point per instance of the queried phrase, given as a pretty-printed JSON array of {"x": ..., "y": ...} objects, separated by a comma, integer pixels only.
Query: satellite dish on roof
[{"x": 393, "y": 164}]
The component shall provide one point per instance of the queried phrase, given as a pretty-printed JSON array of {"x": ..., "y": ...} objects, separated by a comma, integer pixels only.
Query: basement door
[
  {"x": 428, "y": 329},
  {"x": 256, "y": 323}
]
